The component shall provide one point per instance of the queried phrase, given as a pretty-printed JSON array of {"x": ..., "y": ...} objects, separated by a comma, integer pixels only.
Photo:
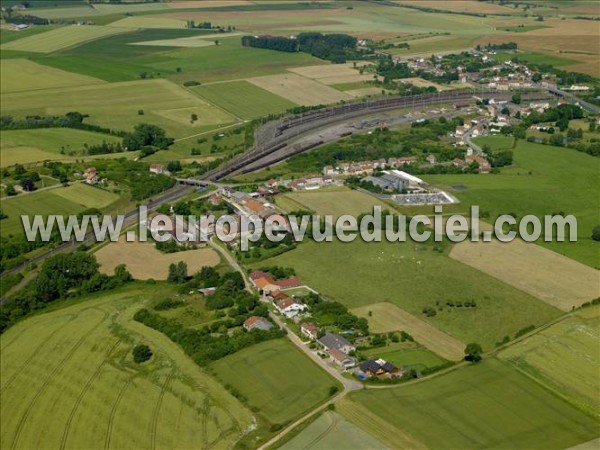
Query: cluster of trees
[
  {"x": 334, "y": 313},
  {"x": 141, "y": 353},
  {"x": 336, "y": 48},
  {"x": 500, "y": 47},
  {"x": 146, "y": 136},
  {"x": 178, "y": 272},
  {"x": 265, "y": 248},
  {"x": 167, "y": 304},
  {"x": 278, "y": 272},
  {"x": 61, "y": 276},
  {"x": 103, "y": 148}
]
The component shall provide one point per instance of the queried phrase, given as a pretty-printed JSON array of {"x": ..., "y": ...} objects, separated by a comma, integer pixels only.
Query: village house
[
  {"x": 158, "y": 169},
  {"x": 336, "y": 342},
  {"x": 91, "y": 175},
  {"x": 377, "y": 367},
  {"x": 289, "y": 306},
  {"x": 484, "y": 164},
  {"x": 309, "y": 330},
  {"x": 257, "y": 323},
  {"x": 342, "y": 359},
  {"x": 265, "y": 282}
]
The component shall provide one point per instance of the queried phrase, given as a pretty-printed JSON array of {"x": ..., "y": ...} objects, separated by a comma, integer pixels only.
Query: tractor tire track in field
[
  {"x": 157, "y": 408},
  {"x": 87, "y": 386},
  {"x": 25, "y": 330},
  {"x": 113, "y": 411},
  {"x": 50, "y": 377},
  {"x": 33, "y": 355},
  {"x": 334, "y": 423}
]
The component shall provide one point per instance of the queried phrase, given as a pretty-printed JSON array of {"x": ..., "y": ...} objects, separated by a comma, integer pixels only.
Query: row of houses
[{"x": 368, "y": 167}]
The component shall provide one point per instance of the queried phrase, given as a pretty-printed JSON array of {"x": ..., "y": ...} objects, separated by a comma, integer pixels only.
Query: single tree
[
  {"x": 473, "y": 352},
  {"x": 141, "y": 353}
]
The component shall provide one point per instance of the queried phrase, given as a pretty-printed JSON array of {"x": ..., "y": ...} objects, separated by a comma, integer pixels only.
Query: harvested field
[
  {"x": 335, "y": 202},
  {"x": 553, "y": 278},
  {"x": 420, "y": 82},
  {"x": 387, "y": 317},
  {"x": 144, "y": 261},
  {"x": 60, "y": 38},
  {"x": 459, "y": 5},
  {"x": 332, "y": 73},
  {"x": 364, "y": 91},
  {"x": 207, "y": 3},
  {"x": 182, "y": 42},
  {"x": 148, "y": 22},
  {"x": 24, "y": 75},
  {"x": 300, "y": 90}
]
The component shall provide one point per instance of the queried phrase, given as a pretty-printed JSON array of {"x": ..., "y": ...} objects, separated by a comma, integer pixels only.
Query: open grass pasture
[
  {"x": 332, "y": 73},
  {"x": 413, "y": 276},
  {"x": 337, "y": 201},
  {"x": 24, "y": 75},
  {"x": 565, "y": 357},
  {"x": 145, "y": 262},
  {"x": 553, "y": 278},
  {"x": 31, "y": 146},
  {"x": 299, "y": 89},
  {"x": 278, "y": 380},
  {"x": 406, "y": 354},
  {"x": 536, "y": 184},
  {"x": 69, "y": 380},
  {"x": 60, "y": 200},
  {"x": 386, "y": 317},
  {"x": 489, "y": 405},
  {"x": 332, "y": 432},
  {"x": 117, "y": 105},
  {"x": 243, "y": 99},
  {"x": 60, "y": 38}
]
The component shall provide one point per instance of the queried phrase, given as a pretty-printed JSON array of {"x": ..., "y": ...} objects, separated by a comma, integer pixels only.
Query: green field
[
  {"x": 68, "y": 381},
  {"x": 243, "y": 99},
  {"x": 489, "y": 405},
  {"x": 360, "y": 273},
  {"x": 535, "y": 184},
  {"x": 406, "y": 355},
  {"x": 60, "y": 38},
  {"x": 332, "y": 432},
  {"x": 279, "y": 381},
  {"x": 564, "y": 357},
  {"x": 29, "y": 146},
  {"x": 61, "y": 200},
  {"x": 535, "y": 58},
  {"x": 116, "y": 106}
]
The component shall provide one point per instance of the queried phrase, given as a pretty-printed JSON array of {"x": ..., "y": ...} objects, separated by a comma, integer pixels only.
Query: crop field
[
  {"x": 489, "y": 405},
  {"x": 29, "y": 146},
  {"x": 553, "y": 278},
  {"x": 386, "y": 317},
  {"x": 536, "y": 58},
  {"x": 332, "y": 73},
  {"x": 68, "y": 380},
  {"x": 117, "y": 105},
  {"x": 462, "y": 5},
  {"x": 413, "y": 276},
  {"x": 179, "y": 42},
  {"x": 208, "y": 3},
  {"x": 299, "y": 89},
  {"x": 279, "y": 381},
  {"x": 24, "y": 75},
  {"x": 535, "y": 185},
  {"x": 331, "y": 431},
  {"x": 60, "y": 38},
  {"x": 148, "y": 22},
  {"x": 145, "y": 262},
  {"x": 565, "y": 357},
  {"x": 335, "y": 202},
  {"x": 60, "y": 200},
  {"x": 243, "y": 99},
  {"x": 98, "y": 9}
]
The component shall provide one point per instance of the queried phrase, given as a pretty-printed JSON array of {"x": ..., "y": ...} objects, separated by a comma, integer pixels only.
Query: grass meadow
[
  {"x": 406, "y": 355},
  {"x": 412, "y": 276},
  {"x": 243, "y": 99},
  {"x": 489, "y": 405},
  {"x": 279, "y": 382},
  {"x": 69, "y": 381},
  {"x": 537, "y": 184},
  {"x": 117, "y": 106},
  {"x": 31, "y": 146},
  {"x": 60, "y": 200},
  {"x": 565, "y": 358}
]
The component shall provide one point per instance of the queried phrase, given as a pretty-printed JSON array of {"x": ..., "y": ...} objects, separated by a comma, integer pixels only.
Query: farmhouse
[
  {"x": 309, "y": 330},
  {"x": 91, "y": 175},
  {"x": 289, "y": 307},
  {"x": 257, "y": 323},
  {"x": 377, "y": 367},
  {"x": 264, "y": 281},
  {"x": 158, "y": 169},
  {"x": 336, "y": 342}
]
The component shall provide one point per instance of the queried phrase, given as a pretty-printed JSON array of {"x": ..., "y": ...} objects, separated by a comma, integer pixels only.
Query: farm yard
[
  {"x": 279, "y": 382},
  {"x": 60, "y": 200},
  {"x": 68, "y": 379},
  {"x": 332, "y": 431},
  {"x": 479, "y": 406},
  {"x": 412, "y": 277},
  {"x": 564, "y": 357},
  {"x": 553, "y": 278},
  {"x": 145, "y": 262},
  {"x": 386, "y": 317}
]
